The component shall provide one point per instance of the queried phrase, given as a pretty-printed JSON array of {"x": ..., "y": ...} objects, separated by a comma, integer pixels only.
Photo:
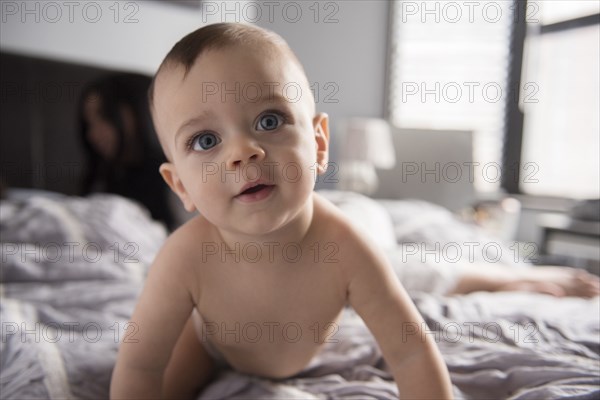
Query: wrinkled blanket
[
  {"x": 493, "y": 348},
  {"x": 70, "y": 273},
  {"x": 64, "y": 314}
]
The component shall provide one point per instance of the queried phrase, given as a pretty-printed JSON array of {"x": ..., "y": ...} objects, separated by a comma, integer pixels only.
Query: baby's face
[{"x": 242, "y": 137}]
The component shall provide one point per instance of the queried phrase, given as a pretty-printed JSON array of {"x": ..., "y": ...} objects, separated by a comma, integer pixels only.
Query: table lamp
[{"x": 366, "y": 144}]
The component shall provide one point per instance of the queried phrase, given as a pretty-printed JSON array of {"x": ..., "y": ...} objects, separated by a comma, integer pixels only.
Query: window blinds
[{"x": 448, "y": 70}]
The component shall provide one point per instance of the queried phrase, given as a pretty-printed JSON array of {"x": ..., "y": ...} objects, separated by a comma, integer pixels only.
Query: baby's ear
[
  {"x": 169, "y": 174},
  {"x": 321, "y": 128}
]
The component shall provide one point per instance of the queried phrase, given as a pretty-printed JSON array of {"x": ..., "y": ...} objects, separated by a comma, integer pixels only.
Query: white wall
[
  {"x": 344, "y": 51},
  {"x": 347, "y": 46},
  {"x": 125, "y": 35}
]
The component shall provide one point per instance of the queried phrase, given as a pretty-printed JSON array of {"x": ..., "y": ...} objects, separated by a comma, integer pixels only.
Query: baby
[{"x": 236, "y": 118}]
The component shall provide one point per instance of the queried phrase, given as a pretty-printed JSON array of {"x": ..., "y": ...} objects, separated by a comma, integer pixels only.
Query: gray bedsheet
[
  {"x": 70, "y": 274},
  {"x": 496, "y": 345},
  {"x": 62, "y": 320}
]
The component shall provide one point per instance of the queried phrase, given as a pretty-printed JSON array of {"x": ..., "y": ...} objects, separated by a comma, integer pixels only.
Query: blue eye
[
  {"x": 269, "y": 122},
  {"x": 204, "y": 142}
]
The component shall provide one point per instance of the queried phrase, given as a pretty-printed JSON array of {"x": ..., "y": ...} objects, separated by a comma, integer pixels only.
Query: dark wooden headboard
[{"x": 39, "y": 143}]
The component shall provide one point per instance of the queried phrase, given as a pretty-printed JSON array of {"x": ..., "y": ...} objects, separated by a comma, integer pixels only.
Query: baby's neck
[{"x": 295, "y": 231}]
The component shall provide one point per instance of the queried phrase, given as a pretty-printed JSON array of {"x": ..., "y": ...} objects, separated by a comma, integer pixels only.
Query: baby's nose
[{"x": 244, "y": 150}]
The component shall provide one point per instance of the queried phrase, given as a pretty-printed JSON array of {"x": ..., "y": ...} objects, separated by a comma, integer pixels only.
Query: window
[
  {"x": 448, "y": 70},
  {"x": 522, "y": 76},
  {"x": 561, "y": 130}
]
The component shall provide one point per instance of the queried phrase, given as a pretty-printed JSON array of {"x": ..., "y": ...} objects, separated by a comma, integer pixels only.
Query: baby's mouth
[
  {"x": 255, "y": 192},
  {"x": 254, "y": 189}
]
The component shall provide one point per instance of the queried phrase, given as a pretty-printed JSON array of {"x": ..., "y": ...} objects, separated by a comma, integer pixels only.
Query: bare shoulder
[
  {"x": 331, "y": 220},
  {"x": 357, "y": 251},
  {"x": 185, "y": 242},
  {"x": 187, "y": 237},
  {"x": 178, "y": 258}
]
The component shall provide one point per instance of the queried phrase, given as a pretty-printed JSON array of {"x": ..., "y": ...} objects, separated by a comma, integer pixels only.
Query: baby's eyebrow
[
  {"x": 194, "y": 120},
  {"x": 273, "y": 98}
]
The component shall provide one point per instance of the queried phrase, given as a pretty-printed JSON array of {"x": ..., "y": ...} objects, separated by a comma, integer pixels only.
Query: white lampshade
[
  {"x": 366, "y": 144},
  {"x": 368, "y": 139}
]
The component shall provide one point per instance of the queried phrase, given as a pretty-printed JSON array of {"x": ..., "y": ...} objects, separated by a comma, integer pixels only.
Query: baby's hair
[{"x": 219, "y": 36}]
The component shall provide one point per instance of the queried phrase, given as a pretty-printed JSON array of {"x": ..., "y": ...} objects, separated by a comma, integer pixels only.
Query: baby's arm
[
  {"x": 159, "y": 317},
  {"x": 413, "y": 357}
]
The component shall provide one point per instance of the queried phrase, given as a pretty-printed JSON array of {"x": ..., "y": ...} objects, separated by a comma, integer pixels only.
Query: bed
[{"x": 72, "y": 268}]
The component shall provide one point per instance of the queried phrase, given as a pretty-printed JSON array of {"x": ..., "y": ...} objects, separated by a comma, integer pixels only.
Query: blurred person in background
[{"x": 123, "y": 152}]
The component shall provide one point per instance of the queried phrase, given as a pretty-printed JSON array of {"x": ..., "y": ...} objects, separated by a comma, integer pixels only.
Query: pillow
[{"x": 368, "y": 215}]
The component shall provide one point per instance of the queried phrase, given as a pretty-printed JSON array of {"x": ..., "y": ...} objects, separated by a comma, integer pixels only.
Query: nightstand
[{"x": 569, "y": 240}]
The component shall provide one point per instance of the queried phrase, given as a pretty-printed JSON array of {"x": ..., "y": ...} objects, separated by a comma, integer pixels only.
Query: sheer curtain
[
  {"x": 561, "y": 133},
  {"x": 448, "y": 71}
]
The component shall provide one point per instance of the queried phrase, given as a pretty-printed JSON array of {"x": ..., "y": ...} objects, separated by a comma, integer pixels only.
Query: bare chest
[
  {"x": 303, "y": 292},
  {"x": 284, "y": 309}
]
